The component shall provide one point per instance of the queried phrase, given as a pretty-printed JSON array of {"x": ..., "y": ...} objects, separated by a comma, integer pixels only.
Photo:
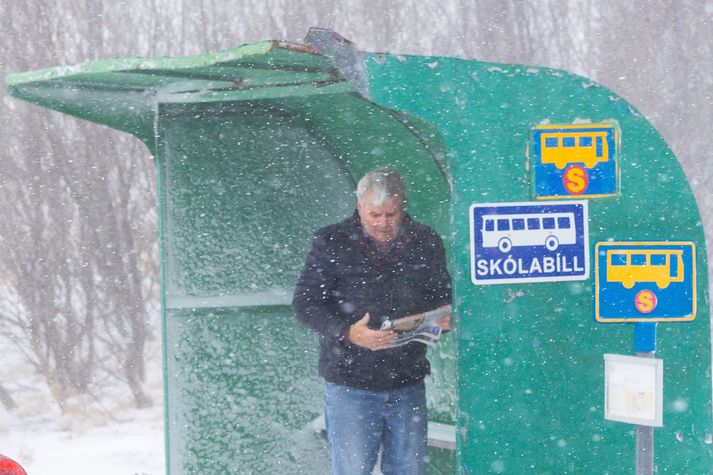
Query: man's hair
[{"x": 380, "y": 185}]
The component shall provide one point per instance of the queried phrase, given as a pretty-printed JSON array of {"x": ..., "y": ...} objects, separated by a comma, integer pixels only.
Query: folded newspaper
[{"x": 421, "y": 327}]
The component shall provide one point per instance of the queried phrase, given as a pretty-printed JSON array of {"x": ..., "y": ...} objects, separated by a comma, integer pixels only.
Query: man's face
[{"x": 381, "y": 222}]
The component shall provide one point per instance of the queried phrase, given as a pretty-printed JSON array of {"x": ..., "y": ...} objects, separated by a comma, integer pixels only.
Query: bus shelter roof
[{"x": 124, "y": 93}]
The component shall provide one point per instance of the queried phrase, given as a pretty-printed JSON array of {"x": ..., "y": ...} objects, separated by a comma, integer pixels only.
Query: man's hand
[
  {"x": 360, "y": 334},
  {"x": 446, "y": 323}
]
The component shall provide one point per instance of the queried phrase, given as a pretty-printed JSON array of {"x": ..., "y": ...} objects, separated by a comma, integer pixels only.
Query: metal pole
[
  {"x": 645, "y": 439},
  {"x": 645, "y": 347},
  {"x": 644, "y": 450}
]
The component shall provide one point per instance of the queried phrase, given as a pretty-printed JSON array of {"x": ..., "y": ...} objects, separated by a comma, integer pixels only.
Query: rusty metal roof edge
[
  {"x": 160, "y": 62},
  {"x": 298, "y": 47}
]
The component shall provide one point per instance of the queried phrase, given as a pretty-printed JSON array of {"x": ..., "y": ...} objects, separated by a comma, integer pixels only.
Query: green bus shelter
[{"x": 541, "y": 183}]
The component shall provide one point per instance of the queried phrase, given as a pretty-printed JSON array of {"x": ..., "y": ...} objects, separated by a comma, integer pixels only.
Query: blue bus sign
[
  {"x": 529, "y": 242},
  {"x": 645, "y": 281},
  {"x": 575, "y": 161}
]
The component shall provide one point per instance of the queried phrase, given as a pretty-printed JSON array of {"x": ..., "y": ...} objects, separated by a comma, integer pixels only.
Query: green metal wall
[
  {"x": 238, "y": 194},
  {"x": 530, "y": 364}
]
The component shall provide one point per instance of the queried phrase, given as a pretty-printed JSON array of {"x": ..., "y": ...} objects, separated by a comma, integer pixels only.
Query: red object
[
  {"x": 575, "y": 180},
  {"x": 10, "y": 467}
]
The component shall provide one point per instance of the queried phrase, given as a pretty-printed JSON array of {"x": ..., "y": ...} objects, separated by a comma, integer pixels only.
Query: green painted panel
[
  {"x": 133, "y": 115},
  {"x": 530, "y": 358},
  {"x": 123, "y": 93},
  {"x": 244, "y": 392},
  {"x": 121, "y": 64},
  {"x": 237, "y": 207},
  {"x": 244, "y": 185},
  {"x": 241, "y": 396}
]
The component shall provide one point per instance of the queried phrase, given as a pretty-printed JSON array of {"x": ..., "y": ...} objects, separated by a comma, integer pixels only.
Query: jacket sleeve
[{"x": 312, "y": 301}]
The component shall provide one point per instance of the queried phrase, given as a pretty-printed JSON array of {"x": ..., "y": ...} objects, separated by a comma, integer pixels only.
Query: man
[{"x": 377, "y": 264}]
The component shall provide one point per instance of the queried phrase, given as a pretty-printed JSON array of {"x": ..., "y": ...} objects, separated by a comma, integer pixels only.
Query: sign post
[
  {"x": 645, "y": 347},
  {"x": 634, "y": 394},
  {"x": 644, "y": 283},
  {"x": 575, "y": 160}
]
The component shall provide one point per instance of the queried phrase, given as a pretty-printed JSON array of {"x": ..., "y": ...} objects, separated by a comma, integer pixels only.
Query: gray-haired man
[{"x": 377, "y": 264}]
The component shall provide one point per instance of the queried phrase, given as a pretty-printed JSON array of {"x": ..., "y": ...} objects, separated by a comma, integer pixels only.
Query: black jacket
[{"x": 346, "y": 276}]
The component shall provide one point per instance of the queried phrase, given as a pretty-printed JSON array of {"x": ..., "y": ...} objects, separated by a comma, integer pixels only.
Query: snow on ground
[{"x": 109, "y": 437}]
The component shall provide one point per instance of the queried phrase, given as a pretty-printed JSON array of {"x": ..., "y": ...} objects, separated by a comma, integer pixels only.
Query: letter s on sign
[
  {"x": 575, "y": 180},
  {"x": 645, "y": 301}
]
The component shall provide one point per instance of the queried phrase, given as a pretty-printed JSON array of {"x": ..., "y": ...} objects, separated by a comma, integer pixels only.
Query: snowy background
[
  {"x": 106, "y": 436},
  {"x": 80, "y": 380}
]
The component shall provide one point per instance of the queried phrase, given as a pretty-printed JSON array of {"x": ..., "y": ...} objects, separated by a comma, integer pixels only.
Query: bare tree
[
  {"x": 6, "y": 399},
  {"x": 71, "y": 226}
]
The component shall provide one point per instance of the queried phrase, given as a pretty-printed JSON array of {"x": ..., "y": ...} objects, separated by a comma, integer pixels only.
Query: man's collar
[
  {"x": 400, "y": 236},
  {"x": 376, "y": 244}
]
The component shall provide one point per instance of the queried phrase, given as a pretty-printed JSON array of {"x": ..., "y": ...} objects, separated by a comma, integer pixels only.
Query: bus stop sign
[
  {"x": 529, "y": 242},
  {"x": 575, "y": 161},
  {"x": 645, "y": 281}
]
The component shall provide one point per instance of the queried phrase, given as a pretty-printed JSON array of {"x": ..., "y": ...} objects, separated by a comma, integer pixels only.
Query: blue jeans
[{"x": 361, "y": 421}]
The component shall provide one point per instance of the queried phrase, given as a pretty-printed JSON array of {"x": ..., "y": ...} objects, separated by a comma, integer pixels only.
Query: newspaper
[{"x": 421, "y": 327}]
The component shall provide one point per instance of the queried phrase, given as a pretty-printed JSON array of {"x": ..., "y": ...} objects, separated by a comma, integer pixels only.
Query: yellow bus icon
[
  {"x": 589, "y": 144},
  {"x": 632, "y": 266}
]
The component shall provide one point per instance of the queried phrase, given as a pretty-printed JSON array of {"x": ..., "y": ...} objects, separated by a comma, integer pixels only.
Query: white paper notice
[{"x": 633, "y": 390}]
